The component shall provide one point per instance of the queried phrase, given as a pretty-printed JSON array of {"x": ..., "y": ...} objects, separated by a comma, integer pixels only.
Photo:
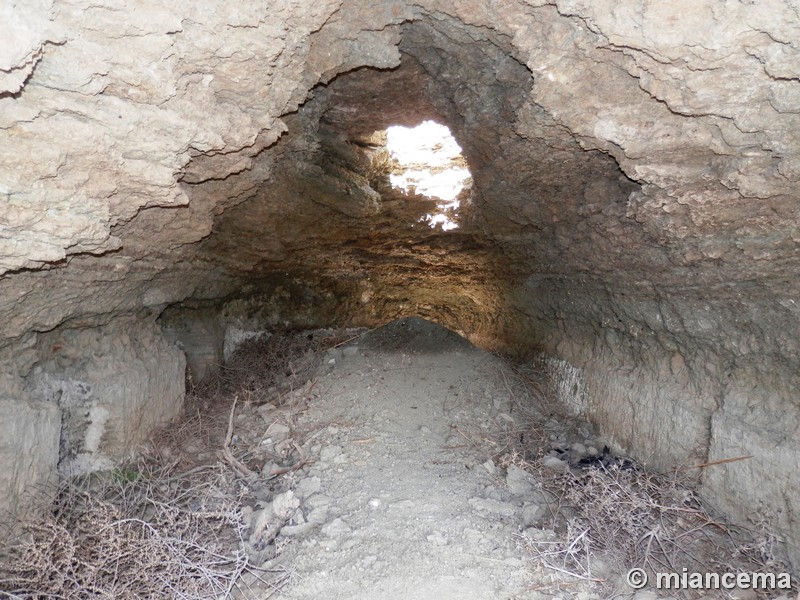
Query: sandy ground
[
  {"x": 401, "y": 464},
  {"x": 400, "y": 501}
]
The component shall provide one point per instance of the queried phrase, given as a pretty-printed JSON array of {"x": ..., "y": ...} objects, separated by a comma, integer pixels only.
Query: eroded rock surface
[
  {"x": 634, "y": 209},
  {"x": 112, "y": 386}
]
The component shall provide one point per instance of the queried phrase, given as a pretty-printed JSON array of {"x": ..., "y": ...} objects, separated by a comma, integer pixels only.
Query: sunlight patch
[{"x": 431, "y": 164}]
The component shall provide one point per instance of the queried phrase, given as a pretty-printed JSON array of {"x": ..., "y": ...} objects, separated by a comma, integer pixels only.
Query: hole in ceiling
[{"x": 430, "y": 163}]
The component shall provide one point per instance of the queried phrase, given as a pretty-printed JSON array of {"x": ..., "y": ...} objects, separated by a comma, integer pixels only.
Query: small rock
[
  {"x": 437, "y": 539},
  {"x": 270, "y": 469},
  {"x": 473, "y": 537},
  {"x": 284, "y": 505},
  {"x": 336, "y": 528},
  {"x": 532, "y": 514},
  {"x": 492, "y": 492},
  {"x": 375, "y": 502},
  {"x": 329, "y": 453},
  {"x": 277, "y": 432},
  {"x": 307, "y": 487},
  {"x": 555, "y": 464},
  {"x": 518, "y": 481},
  {"x": 490, "y": 467},
  {"x": 317, "y": 501},
  {"x": 318, "y": 516}
]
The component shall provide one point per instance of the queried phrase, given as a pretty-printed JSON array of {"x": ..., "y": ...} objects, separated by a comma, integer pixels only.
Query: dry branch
[
  {"x": 130, "y": 534},
  {"x": 150, "y": 531}
]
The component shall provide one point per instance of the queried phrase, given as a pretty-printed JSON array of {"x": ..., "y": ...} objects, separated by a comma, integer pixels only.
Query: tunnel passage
[
  {"x": 633, "y": 213},
  {"x": 336, "y": 219}
]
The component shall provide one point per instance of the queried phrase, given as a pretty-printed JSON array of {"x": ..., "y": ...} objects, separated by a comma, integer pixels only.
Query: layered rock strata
[{"x": 634, "y": 211}]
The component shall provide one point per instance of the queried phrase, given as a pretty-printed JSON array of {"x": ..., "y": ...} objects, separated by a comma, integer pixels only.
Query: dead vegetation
[
  {"x": 180, "y": 521},
  {"x": 264, "y": 367},
  {"x": 606, "y": 515},
  {"x": 199, "y": 515},
  {"x": 134, "y": 533}
]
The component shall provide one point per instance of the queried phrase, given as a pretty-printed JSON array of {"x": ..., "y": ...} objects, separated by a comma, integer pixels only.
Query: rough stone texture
[
  {"x": 764, "y": 426},
  {"x": 634, "y": 209},
  {"x": 30, "y": 430},
  {"x": 200, "y": 335},
  {"x": 28, "y": 452},
  {"x": 114, "y": 384}
]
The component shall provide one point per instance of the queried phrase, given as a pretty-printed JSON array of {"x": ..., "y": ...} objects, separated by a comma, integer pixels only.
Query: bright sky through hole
[{"x": 427, "y": 154}]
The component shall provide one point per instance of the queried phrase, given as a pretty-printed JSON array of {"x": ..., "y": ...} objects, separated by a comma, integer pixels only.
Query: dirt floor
[
  {"x": 399, "y": 463},
  {"x": 405, "y": 505}
]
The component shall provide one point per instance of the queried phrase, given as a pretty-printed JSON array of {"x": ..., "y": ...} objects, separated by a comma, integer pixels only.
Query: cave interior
[{"x": 630, "y": 220}]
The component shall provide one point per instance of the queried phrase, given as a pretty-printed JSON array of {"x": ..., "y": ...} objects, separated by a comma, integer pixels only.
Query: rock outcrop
[{"x": 634, "y": 211}]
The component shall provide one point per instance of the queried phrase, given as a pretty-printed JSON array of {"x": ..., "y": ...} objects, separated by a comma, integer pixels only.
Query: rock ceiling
[{"x": 634, "y": 207}]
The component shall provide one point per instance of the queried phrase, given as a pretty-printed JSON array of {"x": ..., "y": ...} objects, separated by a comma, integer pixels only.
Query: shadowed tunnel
[{"x": 176, "y": 177}]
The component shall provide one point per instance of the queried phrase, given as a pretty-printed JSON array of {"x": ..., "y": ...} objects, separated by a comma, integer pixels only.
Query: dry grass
[
  {"x": 175, "y": 524},
  {"x": 640, "y": 518},
  {"x": 134, "y": 533},
  {"x": 606, "y": 521},
  {"x": 262, "y": 368},
  {"x": 603, "y": 519},
  {"x": 268, "y": 370}
]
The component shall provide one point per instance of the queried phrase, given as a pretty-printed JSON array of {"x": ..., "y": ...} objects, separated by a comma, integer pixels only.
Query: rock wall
[
  {"x": 110, "y": 385},
  {"x": 30, "y": 430},
  {"x": 684, "y": 381},
  {"x": 28, "y": 453},
  {"x": 634, "y": 209}
]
